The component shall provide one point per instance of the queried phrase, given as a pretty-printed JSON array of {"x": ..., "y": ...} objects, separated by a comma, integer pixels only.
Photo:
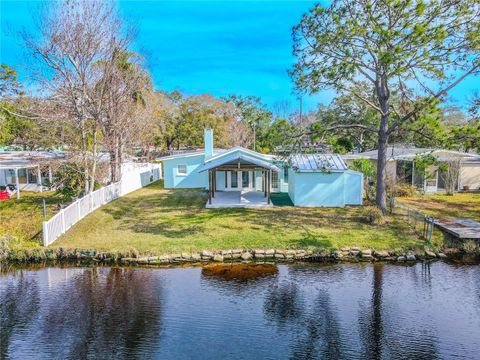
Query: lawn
[
  {"x": 23, "y": 218},
  {"x": 155, "y": 221},
  {"x": 441, "y": 206}
]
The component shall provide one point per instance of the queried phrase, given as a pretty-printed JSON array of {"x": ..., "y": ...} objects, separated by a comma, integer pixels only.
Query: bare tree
[
  {"x": 78, "y": 38},
  {"x": 450, "y": 171},
  {"x": 127, "y": 88}
]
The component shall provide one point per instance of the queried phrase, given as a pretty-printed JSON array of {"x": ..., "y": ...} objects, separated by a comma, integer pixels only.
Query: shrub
[
  {"x": 5, "y": 241},
  {"x": 403, "y": 190},
  {"x": 374, "y": 215},
  {"x": 471, "y": 247}
]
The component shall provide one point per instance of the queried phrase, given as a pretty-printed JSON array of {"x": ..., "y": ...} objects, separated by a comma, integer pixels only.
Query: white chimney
[{"x": 208, "y": 143}]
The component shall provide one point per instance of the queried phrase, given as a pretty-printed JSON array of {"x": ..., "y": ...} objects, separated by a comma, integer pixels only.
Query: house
[
  {"x": 27, "y": 170},
  {"x": 240, "y": 177},
  {"x": 401, "y": 167}
]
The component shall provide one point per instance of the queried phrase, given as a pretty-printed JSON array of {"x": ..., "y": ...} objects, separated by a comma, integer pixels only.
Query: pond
[{"x": 265, "y": 311}]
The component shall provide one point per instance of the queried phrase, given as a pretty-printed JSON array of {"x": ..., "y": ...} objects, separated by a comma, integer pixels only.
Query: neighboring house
[
  {"x": 240, "y": 177},
  {"x": 27, "y": 170},
  {"x": 401, "y": 167}
]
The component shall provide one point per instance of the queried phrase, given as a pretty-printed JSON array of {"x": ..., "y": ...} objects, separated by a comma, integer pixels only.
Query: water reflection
[
  {"x": 18, "y": 306},
  {"x": 239, "y": 272},
  {"x": 96, "y": 312},
  {"x": 355, "y": 311}
]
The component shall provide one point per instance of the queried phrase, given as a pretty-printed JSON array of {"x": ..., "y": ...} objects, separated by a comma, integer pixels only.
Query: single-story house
[
  {"x": 401, "y": 167},
  {"x": 240, "y": 177},
  {"x": 27, "y": 170}
]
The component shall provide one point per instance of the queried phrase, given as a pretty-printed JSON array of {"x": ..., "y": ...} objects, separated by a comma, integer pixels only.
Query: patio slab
[{"x": 238, "y": 199}]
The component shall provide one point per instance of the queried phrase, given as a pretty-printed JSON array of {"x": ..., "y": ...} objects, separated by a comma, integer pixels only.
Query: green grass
[
  {"x": 155, "y": 221},
  {"x": 441, "y": 206},
  {"x": 23, "y": 218}
]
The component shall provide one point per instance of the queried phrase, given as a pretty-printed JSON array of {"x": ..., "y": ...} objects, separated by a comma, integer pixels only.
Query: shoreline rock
[{"x": 344, "y": 255}]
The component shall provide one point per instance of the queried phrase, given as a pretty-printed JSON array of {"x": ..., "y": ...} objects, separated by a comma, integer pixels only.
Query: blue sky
[{"x": 216, "y": 47}]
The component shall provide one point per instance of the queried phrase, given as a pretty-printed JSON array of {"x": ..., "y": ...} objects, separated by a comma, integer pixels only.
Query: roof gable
[
  {"x": 239, "y": 157},
  {"x": 242, "y": 150}
]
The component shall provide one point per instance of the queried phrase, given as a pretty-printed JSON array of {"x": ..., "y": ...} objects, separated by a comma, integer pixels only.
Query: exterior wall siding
[
  {"x": 291, "y": 184},
  {"x": 319, "y": 189},
  {"x": 470, "y": 176},
  {"x": 353, "y": 188},
  {"x": 220, "y": 177},
  {"x": 193, "y": 179},
  {"x": 336, "y": 189}
]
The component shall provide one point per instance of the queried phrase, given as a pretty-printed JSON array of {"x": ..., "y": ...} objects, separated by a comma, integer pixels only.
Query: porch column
[
  {"x": 269, "y": 183},
  {"x": 214, "y": 182},
  {"x": 50, "y": 175},
  {"x": 39, "y": 178},
  {"x": 210, "y": 186},
  {"x": 17, "y": 183},
  {"x": 264, "y": 180}
]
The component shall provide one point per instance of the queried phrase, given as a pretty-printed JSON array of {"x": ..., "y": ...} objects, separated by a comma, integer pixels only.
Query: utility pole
[{"x": 254, "y": 135}]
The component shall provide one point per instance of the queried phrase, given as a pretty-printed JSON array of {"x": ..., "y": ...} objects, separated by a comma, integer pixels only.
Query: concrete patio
[{"x": 239, "y": 199}]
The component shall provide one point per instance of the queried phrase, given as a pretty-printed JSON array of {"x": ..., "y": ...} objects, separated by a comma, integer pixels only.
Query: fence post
[
  {"x": 430, "y": 234},
  {"x": 45, "y": 233},
  {"x": 91, "y": 201},
  {"x": 78, "y": 209}
]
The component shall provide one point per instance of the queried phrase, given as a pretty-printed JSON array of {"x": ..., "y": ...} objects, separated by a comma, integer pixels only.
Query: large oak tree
[{"x": 419, "y": 47}]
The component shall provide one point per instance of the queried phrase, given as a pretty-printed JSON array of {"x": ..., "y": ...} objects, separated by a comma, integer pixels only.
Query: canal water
[{"x": 342, "y": 311}]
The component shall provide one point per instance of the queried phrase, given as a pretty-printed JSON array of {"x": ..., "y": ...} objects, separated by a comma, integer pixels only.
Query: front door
[
  {"x": 247, "y": 180},
  {"x": 239, "y": 180}
]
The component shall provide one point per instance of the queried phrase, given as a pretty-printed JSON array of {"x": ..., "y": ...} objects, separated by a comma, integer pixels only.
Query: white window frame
[{"x": 182, "y": 173}]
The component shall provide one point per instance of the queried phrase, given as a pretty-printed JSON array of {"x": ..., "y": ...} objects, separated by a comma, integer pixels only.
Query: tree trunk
[
  {"x": 381, "y": 189},
  {"x": 85, "y": 154},
  {"x": 94, "y": 164},
  {"x": 112, "y": 165}
]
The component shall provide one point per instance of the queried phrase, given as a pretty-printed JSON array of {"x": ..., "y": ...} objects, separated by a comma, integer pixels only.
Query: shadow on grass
[{"x": 179, "y": 214}]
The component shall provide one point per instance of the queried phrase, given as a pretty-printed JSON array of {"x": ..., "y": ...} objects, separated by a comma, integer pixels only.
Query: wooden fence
[{"x": 67, "y": 217}]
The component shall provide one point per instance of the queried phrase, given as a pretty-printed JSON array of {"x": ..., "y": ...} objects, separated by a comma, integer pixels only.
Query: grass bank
[
  {"x": 441, "y": 206},
  {"x": 158, "y": 221},
  {"x": 22, "y": 219}
]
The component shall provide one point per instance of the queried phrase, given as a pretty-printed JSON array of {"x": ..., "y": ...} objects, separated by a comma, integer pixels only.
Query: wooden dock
[{"x": 461, "y": 228}]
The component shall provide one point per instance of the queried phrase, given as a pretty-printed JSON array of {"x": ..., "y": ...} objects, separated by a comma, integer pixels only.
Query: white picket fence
[{"x": 133, "y": 178}]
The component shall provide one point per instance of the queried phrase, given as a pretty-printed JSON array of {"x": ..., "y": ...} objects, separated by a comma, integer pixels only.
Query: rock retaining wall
[{"x": 346, "y": 254}]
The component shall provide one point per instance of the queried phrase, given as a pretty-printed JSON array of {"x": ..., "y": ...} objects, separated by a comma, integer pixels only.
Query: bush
[
  {"x": 5, "y": 241},
  {"x": 471, "y": 247},
  {"x": 403, "y": 190},
  {"x": 374, "y": 215}
]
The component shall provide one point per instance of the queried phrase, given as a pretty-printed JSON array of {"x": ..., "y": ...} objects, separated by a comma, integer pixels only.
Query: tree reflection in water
[
  {"x": 98, "y": 313},
  {"x": 19, "y": 304},
  {"x": 317, "y": 330},
  {"x": 380, "y": 333}
]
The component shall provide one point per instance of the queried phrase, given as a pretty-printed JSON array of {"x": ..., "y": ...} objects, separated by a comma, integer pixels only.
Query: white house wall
[{"x": 470, "y": 176}]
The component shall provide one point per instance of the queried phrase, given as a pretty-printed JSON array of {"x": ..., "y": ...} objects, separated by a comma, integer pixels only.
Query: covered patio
[
  {"x": 238, "y": 199},
  {"x": 246, "y": 195},
  {"x": 27, "y": 171}
]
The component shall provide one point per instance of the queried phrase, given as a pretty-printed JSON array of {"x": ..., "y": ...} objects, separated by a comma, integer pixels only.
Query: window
[
  {"x": 233, "y": 179},
  {"x": 285, "y": 174},
  {"x": 22, "y": 176},
  {"x": 182, "y": 170},
  {"x": 32, "y": 176},
  {"x": 274, "y": 180}
]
